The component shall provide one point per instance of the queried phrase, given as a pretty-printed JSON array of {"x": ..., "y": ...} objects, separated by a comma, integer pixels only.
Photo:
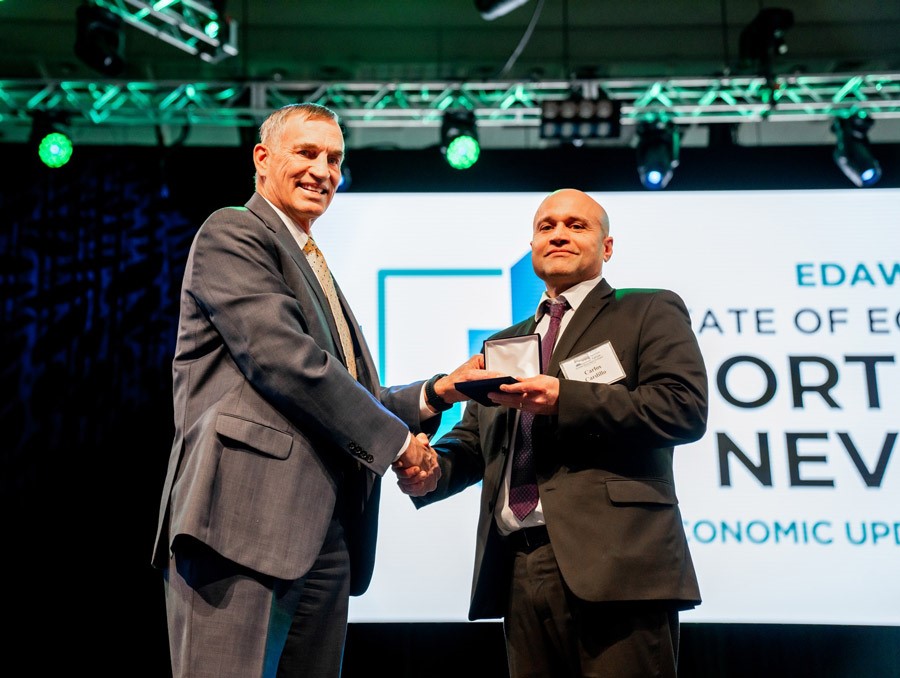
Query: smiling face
[
  {"x": 298, "y": 169},
  {"x": 570, "y": 240}
]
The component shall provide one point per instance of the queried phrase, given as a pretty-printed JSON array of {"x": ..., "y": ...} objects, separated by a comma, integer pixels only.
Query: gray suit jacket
[
  {"x": 604, "y": 464},
  {"x": 271, "y": 431}
]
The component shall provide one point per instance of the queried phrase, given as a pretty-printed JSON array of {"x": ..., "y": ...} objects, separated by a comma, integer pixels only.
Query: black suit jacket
[{"x": 604, "y": 463}]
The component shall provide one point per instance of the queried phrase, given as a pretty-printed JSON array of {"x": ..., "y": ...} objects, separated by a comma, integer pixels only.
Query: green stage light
[
  {"x": 459, "y": 139},
  {"x": 217, "y": 25},
  {"x": 55, "y": 149},
  {"x": 50, "y": 138},
  {"x": 463, "y": 152}
]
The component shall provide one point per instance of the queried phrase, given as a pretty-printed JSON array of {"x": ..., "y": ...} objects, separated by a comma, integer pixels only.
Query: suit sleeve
[
  {"x": 664, "y": 403},
  {"x": 404, "y": 401},
  {"x": 459, "y": 456},
  {"x": 239, "y": 284}
]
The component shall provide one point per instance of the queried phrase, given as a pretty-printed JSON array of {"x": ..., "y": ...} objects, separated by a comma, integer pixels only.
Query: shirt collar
[
  {"x": 574, "y": 295},
  {"x": 299, "y": 234}
]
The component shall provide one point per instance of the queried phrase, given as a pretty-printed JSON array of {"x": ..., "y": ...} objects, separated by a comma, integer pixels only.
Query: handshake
[{"x": 417, "y": 468}]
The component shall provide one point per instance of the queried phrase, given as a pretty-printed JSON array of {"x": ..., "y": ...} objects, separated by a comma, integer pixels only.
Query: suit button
[{"x": 370, "y": 458}]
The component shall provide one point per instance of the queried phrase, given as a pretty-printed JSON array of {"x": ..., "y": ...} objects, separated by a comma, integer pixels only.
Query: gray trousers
[{"x": 226, "y": 621}]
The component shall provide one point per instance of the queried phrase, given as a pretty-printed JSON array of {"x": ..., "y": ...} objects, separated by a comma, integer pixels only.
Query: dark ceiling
[
  {"x": 418, "y": 40},
  {"x": 442, "y": 42}
]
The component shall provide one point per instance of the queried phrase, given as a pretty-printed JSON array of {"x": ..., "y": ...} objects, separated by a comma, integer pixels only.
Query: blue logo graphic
[{"x": 525, "y": 291}]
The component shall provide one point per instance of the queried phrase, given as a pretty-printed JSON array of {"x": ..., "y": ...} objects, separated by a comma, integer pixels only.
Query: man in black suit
[{"x": 590, "y": 581}]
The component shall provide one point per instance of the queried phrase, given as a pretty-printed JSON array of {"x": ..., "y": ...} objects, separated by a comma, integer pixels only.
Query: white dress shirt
[{"x": 506, "y": 520}]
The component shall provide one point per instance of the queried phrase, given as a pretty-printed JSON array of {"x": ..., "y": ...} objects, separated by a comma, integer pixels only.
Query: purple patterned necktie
[{"x": 523, "y": 492}]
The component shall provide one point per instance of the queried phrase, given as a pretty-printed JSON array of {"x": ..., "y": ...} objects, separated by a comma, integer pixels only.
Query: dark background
[{"x": 92, "y": 256}]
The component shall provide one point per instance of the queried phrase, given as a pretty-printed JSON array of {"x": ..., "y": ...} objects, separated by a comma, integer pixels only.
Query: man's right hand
[
  {"x": 470, "y": 370},
  {"x": 417, "y": 468}
]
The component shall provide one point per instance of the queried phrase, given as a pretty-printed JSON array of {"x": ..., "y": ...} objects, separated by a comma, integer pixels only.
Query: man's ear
[{"x": 260, "y": 158}]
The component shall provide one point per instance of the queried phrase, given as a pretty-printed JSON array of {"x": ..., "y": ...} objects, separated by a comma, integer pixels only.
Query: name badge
[{"x": 596, "y": 365}]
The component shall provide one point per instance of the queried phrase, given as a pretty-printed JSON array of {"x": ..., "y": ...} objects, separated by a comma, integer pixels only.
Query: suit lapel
[
  {"x": 527, "y": 328},
  {"x": 258, "y": 205},
  {"x": 595, "y": 302}
]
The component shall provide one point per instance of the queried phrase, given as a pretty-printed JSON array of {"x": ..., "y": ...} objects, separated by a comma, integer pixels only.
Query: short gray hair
[{"x": 273, "y": 125}]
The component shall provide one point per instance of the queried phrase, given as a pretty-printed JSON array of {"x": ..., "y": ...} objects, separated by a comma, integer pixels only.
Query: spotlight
[
  {"x": 214, "y": 26},
  {"x": 459, "y": 139},
  {"x": 491, "y": 9},
  {"x": 852, "y": 152},
  {"x": 576, "y": 118},
  {"x": 763, "y": 38},
  {"x": 98, "y": 41},
  {"x": 346, "y": 179},
  {"x": 48, "y": 136},
  {"x": 657, "y": 152},
  {"x": 219, "y": 26}
]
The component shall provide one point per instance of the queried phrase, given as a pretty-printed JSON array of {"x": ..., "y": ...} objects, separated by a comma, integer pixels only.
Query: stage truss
[{"x": 403, "y": 105}]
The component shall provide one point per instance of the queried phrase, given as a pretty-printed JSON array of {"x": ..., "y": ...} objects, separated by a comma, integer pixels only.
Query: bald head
[
  {"x": 570, "y": 239},
  {"x": 574, "y": 201}
]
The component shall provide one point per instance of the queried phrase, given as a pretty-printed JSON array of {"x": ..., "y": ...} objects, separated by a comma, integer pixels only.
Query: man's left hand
[{"x": 538, "y": 395}]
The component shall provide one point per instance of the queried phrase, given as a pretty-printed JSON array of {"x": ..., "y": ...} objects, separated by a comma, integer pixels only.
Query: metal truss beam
[
  {"x": 182, "y": 23},
  {"x": 399, "y": 105}
]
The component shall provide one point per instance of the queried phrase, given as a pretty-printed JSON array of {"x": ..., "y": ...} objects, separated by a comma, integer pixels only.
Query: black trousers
[{"x": 551, "y": 633}]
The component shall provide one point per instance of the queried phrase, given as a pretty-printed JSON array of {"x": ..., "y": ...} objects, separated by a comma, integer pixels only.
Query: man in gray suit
[
  {"x": 269, "y": 512},
  {"x": 590, "y": 576}
]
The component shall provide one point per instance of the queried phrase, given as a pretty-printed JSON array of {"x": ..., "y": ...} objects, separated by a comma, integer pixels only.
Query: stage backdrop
[{"x": 791, "y": 501}]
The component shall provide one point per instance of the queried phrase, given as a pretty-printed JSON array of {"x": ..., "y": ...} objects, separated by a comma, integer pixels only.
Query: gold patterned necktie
[{"x": 317, "y": 261}]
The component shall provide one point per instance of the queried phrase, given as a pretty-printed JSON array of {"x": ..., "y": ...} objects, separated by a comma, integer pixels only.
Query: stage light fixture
[
  {"x": 212, "y": 28},
  {"x": 577, "y": 118},
  {"x": 657, "y": 152},
  {"x": 50, "y": 138},
  {"x": 346, "y": 179},
  {"x": 763, "y": 39},
  {"x": 459, "y": 138},
  {"x": 217, "y": 19},
  {"x": 492, "y": 9},
  {"x": 852, "y": 152},
  {"x": 218, "y": 26},
  {"x": 99, "y": 41}
]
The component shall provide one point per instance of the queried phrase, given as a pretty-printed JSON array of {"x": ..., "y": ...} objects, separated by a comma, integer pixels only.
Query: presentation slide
[{"x": 791, "y": 501}]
